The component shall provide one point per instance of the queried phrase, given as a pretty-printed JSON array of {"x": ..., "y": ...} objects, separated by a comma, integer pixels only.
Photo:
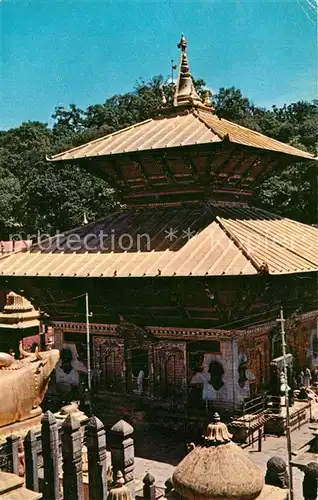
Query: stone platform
[
  {"x": 11, "y": 488},
  {"x": 299, "y": 414}
]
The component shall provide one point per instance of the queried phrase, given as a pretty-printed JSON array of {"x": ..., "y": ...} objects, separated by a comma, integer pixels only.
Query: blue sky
[{"x": 83, "y": 51}]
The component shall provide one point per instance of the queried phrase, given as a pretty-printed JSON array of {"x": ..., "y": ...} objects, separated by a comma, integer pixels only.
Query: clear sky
[{"x": 83, "y": 51}]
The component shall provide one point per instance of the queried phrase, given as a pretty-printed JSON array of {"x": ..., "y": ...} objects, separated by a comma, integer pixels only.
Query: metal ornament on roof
[{"x": 185, "y": 90}]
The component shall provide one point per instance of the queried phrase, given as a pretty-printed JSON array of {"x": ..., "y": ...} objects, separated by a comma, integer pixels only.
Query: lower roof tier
[{"x": 202, "y": 240}]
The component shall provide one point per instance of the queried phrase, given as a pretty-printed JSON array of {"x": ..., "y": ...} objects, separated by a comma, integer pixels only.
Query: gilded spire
[
  {"x": 185, "y": 92},
  {"x": 217, "y": 432}
]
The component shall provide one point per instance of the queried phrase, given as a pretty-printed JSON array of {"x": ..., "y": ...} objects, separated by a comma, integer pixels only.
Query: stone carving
[
  {"x": 310, "y": 483},
  {"x": 307, "y": 378},
  {"x": 23, "y": 383},
  {"x": 208, "y": 379},
  {"x": 276, "y": 473},
  {"x": 214, "y": 389},
  {"x": 122, "y": 449},
  {"x": 245, "y": 377},
  {"x": 140, "y": 381}
]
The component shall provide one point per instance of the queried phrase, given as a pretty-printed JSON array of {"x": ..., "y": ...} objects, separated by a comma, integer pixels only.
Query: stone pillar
[
  {"x": 149, "y": 489},
  {"x": 50, "y": 453},
  {"x": 121, "y": 446},
  {"x": 31, "y": 461},
  {"x": 97, "y": 466},
  {"x": 13, "y": 454},
  {"x": 73, "y": 488}
]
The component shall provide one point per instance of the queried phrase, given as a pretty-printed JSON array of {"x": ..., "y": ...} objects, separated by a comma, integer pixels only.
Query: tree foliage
[{"x": 37, "y": 196}]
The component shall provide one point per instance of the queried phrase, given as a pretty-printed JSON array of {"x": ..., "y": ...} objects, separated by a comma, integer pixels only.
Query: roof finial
[
  {"x": 185, "y": 93},
  {"x": 217, "y": 432},
  {"x": 182, "y": 44}
]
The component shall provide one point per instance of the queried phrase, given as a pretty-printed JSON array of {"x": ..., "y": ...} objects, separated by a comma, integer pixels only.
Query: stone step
[
  {"x": 9, "y": 482},
  {"x": 11, "y": 488},
  {"x": 21, "y": 494}
]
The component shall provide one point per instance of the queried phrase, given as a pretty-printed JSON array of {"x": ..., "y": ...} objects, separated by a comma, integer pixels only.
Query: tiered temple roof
[
  {"x": 185, "y": 176},
  {"x": 203, "y": 240},
  {"x": 185, "y": 153}
]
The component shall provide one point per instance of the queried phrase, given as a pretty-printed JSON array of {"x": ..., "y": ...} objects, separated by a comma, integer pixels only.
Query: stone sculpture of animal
[{"x": 23, "y": 383}]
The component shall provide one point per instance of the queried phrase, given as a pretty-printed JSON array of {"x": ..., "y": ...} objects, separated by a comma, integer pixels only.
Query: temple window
[
  {"x": 196, "y": 351},
  {"x": 197, "y": 375}
]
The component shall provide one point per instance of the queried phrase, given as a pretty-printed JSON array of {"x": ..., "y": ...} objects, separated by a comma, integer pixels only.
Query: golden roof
[
  {"x": 192, "y": 127},
  {"x": 18, "y": 313},
  {"x": 199, "y": 240},
  {"x": 189, "y": 122}
]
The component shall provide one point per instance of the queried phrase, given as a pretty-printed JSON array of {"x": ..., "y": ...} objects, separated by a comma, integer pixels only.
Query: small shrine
[
  {"x": 220, "y": 469},
  {"x": 18, "y": 319}
]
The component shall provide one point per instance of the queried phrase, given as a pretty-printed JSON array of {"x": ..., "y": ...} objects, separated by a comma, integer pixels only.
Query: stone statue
[
  {"x": 23, "y": 383},
  {"x": 21, "y": 458},
  {"x": 140, "y": 381},
  {"x": 276, "y": 473},
  {"x": 310, "y": 483},
  {"x": 307, "y": 378}
]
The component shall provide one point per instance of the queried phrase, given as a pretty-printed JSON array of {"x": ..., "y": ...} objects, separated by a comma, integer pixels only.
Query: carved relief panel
[
  {"x": 109, "y": 361},
  {"x": 170, "y": 370}
]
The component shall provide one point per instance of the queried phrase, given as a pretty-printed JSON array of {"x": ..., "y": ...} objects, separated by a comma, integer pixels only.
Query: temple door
[
  {"x": 109, "y": 356},
  {"x": 169, "y": 373}
]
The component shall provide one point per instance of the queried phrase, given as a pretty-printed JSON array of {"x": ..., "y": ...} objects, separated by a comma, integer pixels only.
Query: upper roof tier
[{"x": 184, "y": 152}]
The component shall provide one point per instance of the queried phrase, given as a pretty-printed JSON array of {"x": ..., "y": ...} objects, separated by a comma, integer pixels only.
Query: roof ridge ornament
[
  {"x": 217, "y": 432},
  {"x": 185, "y": 93}
]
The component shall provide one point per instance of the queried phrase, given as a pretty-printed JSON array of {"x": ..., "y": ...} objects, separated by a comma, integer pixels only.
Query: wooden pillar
[
  {"x": 73, "y": 488},
  {"x": 31, "y": 462},
  {"x": 50, "y": 453},
  {"x": 121, "y": 445},
  {"x": 149, "y": 489},
  {"x": 97, "y": 465}
]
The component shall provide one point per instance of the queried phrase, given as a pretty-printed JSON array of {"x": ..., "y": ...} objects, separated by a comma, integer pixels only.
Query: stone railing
[{"x": 74, "y": 464}]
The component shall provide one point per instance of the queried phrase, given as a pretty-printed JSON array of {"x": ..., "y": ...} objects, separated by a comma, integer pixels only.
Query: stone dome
[{"x": 219, "y": 469}]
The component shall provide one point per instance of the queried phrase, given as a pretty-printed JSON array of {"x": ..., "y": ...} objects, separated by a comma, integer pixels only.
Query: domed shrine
[{"x": 220, "y": 470}]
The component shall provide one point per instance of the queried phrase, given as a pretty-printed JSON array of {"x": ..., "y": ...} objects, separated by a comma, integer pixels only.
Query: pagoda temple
[{"x": 186, "y": 282}]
